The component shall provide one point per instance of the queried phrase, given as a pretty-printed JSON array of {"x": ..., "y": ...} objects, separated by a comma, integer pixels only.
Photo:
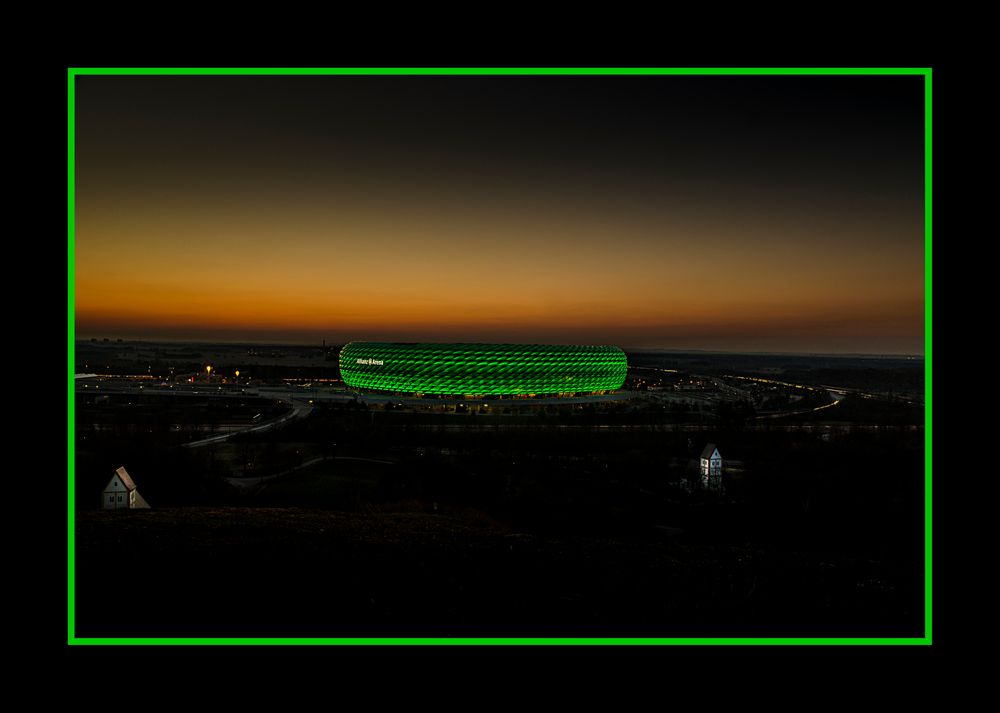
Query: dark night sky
[{"x": 734, "y": 213}]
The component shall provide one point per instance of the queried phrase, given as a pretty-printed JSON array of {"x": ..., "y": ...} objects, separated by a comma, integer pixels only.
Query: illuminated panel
[{"x": 482, "y": 369}]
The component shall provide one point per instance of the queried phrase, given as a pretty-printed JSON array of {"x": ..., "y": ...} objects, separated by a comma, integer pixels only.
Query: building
[
  {"x": 711, "y": 468},
  {"x": 472, "y": 370},
  {"x": 121, "y": 493}
]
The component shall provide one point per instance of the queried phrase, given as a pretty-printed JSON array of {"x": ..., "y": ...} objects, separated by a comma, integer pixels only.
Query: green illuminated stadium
[{"x": 482, "y": 369}]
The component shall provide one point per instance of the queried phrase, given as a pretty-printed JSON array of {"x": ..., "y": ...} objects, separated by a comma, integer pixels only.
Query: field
[{"x": 290, "y": 571}]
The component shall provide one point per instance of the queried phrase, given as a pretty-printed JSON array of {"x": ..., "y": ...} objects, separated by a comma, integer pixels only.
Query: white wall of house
[
  {"x": 116, "y": 496},
  {"x": 711, "y": 470},
  {"x": 713, "y": 465},
  {"x": 114, "y": 500}
]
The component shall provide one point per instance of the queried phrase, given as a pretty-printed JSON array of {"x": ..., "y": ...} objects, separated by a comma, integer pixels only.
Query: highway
[
  {"x": 298, "y": 411},
  {"x": 251, "y": 482},
  {"x": 837, "y": 398},
  {"x": 316, "y": 394},
  {"x": 838, "y": 392}
]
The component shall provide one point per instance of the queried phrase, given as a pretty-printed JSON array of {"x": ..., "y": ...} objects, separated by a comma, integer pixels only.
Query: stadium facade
[{"x": 471, "y": 370}]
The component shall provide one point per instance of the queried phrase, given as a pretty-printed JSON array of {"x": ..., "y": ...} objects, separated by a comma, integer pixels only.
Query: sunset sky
[{"x": 722, "y": 213}]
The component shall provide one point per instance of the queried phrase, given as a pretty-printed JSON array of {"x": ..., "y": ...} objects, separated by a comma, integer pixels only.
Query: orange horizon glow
[
  {"x": 192, "y": 230},
  {"x": 580, "y": 277}
]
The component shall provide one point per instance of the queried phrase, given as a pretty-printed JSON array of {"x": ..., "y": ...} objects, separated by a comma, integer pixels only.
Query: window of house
[
  {"x": 111, "y": 498},
  {"x": 119, "y": 498}
]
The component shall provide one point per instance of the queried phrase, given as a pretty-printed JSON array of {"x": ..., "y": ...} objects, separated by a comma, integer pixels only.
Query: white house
[
  {"x": 711, "y": 468},
  {"x": 121, "y": 493}
]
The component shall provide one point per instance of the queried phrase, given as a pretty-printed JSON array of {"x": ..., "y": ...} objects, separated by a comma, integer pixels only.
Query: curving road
[
  {"x": 250, "y": 482},
  {"x": 298, "y": 411}
]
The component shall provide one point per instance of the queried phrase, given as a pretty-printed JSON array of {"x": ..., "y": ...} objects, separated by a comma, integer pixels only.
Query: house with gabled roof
[
  {"x": 711, "y": 468},
  {"x": 121, "y": 493}
]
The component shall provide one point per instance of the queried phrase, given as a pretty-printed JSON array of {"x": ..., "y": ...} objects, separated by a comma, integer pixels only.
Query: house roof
[
  {"x": 126, "y": 479},
  {"x": 709, "y": 450}
]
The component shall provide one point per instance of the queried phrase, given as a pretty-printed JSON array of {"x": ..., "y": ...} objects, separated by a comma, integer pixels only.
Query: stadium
[{"x": 478, "y": 370}]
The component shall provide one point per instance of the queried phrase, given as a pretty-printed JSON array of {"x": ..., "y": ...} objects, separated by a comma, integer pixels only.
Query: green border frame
[{"x": 74, "y": 72}]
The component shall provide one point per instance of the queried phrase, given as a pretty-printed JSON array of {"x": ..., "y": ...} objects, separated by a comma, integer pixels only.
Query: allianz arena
[{"x": 482, "y": 369}]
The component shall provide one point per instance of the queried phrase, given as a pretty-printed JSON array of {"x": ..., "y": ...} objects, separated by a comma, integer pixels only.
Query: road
[
  {"x": 837, "y": 398},
  {"x": 100, "y": 385},
  {"x": 252, "y": 482},
  {"x": 298, "y": 411}
]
